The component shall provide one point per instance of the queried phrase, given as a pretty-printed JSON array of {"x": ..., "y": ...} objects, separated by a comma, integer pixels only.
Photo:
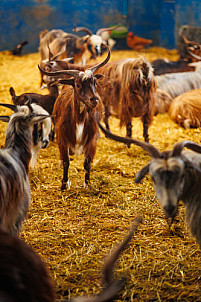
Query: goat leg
[
  {"x": 106, "y": 117},
  {"x": 87, "y": 167},
  {"x": 145, "y": 128},
  {"x": 129, "y": 132},
  {"x": 65, "y": 180}
]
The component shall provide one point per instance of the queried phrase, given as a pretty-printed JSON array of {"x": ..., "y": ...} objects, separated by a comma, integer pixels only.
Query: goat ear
[
  {"x": 141, "y": 174},
  {"x": 5, "y": 118},
  {"x": 39, "y": 118},
  {"x": 12, "y": 92}
]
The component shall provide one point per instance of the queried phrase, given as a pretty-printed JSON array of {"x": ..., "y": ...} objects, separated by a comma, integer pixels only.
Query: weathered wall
[{"x": 157, "y": 19}]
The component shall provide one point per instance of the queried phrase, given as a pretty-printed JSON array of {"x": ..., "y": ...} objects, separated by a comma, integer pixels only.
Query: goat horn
[
  {"x": 28, "y": 103},
  {"x": 178, "y": 147},
  {"x": 101, "y": 30},
  {"x": 150, "y": 149},
  {"x": 73, "y": 73},
  {"x": 10, "y": 106},
  {"x": 194, "y": 55},
  {"x": 94, "y": 68},
  {"x": 50, "y": 53},
  {"x": 84, "y": 29}
]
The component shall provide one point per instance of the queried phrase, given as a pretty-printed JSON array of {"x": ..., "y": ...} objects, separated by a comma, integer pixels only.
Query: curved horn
[
  {"x": 194, "y": 55},
  {"x": 73, "y": 73},
  {"x": 178, "y": 147},
  {"x": 10, "y": 106},
  {"x": 185, "y": 39},
  {"x": 28, "y": 103},
  {"x": 94, "y": 68},
  {"x": 84, "y": 29},
  {"x": 50, "y": 53},
  {"x": 150, "y": 149},
  {"x": 101, "y": 30}
]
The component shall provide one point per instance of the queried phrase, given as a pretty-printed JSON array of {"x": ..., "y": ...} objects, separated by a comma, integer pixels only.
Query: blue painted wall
[{"x": 156, "y": 19}]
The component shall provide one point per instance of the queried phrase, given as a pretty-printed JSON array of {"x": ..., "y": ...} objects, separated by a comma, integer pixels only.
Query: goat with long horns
[
  {"x": 74, "y": 116},
  {"x": 176, "y": 176}
]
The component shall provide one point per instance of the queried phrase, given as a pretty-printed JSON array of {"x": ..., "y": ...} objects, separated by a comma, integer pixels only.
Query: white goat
[
  {"x": 14, "y": 163},
  {"x": 41, "y": 132}
]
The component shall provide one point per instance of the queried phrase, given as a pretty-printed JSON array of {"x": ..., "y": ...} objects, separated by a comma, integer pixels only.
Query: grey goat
[{"x": 176, "y": 177}]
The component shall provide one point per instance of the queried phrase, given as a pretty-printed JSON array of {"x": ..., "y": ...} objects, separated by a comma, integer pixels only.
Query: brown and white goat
[
  {"x": 185, "y": 109},
  {"x": 14, "y": 165},
  {"x": 24, "y": 276},
  {"x": 74, "y": 119},
  {"x": 176, "y": 177}
]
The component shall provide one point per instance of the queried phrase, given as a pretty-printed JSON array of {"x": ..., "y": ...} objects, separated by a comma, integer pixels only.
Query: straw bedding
[{"x": 73, "y": 231}]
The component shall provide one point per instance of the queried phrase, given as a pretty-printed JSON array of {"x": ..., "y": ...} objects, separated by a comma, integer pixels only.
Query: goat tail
[{"x": 112, "y": 287}]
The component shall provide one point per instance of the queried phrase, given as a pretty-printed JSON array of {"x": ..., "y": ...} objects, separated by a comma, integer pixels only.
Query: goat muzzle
[{"x": 170, "y": 211}]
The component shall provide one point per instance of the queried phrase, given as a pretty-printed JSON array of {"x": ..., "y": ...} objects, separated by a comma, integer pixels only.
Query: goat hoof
[{"x": 65, "y": 185}]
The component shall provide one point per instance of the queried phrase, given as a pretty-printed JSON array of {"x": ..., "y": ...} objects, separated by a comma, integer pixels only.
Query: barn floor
[{"x": 73, "y": 231}]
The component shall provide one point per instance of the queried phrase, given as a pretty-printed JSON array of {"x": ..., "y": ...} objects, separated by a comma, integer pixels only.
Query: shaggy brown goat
[
  {"x": 131, "y": 93},
  {"x": 75, "y": 124}
]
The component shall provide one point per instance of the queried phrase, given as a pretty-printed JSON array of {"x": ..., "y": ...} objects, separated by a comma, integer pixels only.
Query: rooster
[{"x": 135, "y": 42}]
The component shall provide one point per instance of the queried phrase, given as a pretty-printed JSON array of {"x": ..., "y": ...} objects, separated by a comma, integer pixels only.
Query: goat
[
  {"x": 193, "y": 51},
  {"x": 187, "y": 47},
  {"x": 62, "y": 45},
  {"x": 41, "y": 104},
  {"x": 185, "y": 109},
  {"x": 95, "y": 44},
  {"x": 177, "y": 83},
  {"x": 163, "y": 66},
  {"x": 162, "y": 101},
  {"x": 14, "y": 162},
  {"x": 45, "y": 101},
  {"x": 75, "y": 124},
  {"x": 24, "y": 276},
  {"x": 176, "y": 177},
  {"x": 131, "y": 93}
]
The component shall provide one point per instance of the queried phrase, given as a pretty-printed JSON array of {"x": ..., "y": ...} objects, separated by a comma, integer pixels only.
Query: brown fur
[
  {"x": 131, "y": 93},
  {"x": 75, "y": 106},
  {"x": 185, "y": 109},
  {"x": 76, "y": 46}
]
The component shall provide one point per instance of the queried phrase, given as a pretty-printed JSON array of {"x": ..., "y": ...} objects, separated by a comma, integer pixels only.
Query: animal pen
[{"x": 74, "y": 230}]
